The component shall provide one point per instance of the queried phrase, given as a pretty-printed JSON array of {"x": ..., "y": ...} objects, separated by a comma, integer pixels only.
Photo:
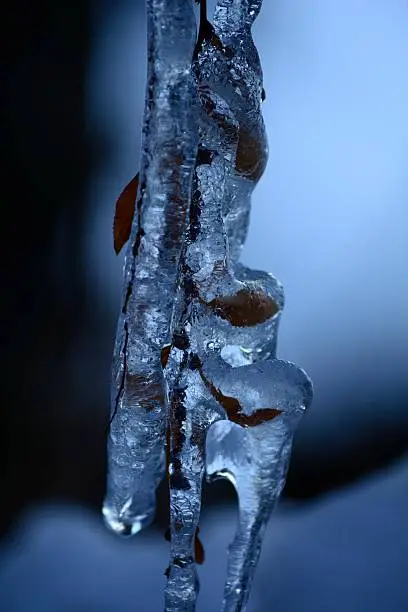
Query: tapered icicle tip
[{"x": 122, "y": 526}]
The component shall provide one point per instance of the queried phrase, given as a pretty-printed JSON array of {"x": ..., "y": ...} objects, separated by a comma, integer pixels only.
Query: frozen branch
[{"x": 197, "y": 388}]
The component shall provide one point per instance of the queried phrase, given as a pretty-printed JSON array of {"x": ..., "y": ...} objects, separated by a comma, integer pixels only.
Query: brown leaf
[
  {"x": 199, "y": 552},
  {"x": 233, "y": 408},
  {"x": 246, "y": 308},
  {"x": 124, "y": 213},
  {"x": 164, "y": 355},
  {"x": 251, "y": 155}
]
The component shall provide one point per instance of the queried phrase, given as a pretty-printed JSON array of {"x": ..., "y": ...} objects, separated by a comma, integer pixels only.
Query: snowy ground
[{"x": 348, "y": 551}]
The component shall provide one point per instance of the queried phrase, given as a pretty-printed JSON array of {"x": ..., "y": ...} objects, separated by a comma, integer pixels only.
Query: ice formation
[{"x": 197, "y": 389}]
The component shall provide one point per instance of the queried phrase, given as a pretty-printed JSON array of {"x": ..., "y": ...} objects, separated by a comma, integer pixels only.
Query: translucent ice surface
[
  {"x": 136, "y": 445},
  {"x": 197, "y": 388}
]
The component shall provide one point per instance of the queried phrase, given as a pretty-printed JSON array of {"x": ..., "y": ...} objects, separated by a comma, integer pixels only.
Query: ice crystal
[{"x": 197, "y": 389}]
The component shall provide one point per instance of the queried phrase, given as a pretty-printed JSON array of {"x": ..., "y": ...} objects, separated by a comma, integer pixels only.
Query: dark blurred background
[{"x": 330, "y": 219}]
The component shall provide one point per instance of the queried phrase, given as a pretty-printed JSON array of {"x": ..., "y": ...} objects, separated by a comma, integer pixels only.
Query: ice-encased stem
[{"x": 138, "y": 407}]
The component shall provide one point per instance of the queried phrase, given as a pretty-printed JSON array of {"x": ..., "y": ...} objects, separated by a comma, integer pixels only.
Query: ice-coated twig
[
  {"x": 136, "y": 445},
  {"x": 195, "y": 369}
]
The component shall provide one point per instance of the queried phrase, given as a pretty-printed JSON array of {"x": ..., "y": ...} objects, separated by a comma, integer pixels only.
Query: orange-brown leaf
[
  {"x": 124, "y": 213},
  {"x": 199, "y": 552}
]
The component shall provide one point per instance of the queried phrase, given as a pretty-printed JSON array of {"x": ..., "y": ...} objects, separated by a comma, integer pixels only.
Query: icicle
[{"x": 136, "y": 446}]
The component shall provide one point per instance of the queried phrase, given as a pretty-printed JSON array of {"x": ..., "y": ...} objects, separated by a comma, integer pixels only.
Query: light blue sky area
[{"x": 330, "y": 215}]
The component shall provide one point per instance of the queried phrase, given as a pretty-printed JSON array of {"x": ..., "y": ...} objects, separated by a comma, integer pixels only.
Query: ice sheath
[
  {"x": 197, "y": 388},
  {"x": 136, "y": 444}
]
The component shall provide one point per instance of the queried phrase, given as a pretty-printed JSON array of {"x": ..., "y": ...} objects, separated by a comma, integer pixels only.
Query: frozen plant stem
[{"x": 197, "y": 388}]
